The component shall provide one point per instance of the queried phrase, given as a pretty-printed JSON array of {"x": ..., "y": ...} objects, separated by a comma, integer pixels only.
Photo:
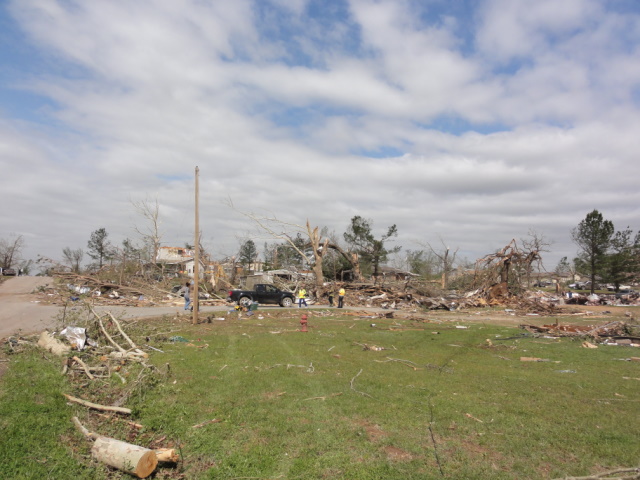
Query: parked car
[
  {"x": 543, "y": 283},
  {"x": 612, "y": 288},
  {"x": 263, "y": 293},
  {"x": 584, "y": 286},
  {"x": 622, "y": 293},
  {"x": 8, "y": 272}
]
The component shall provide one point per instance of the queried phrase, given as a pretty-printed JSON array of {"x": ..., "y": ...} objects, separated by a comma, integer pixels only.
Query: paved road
[{"x": 20, "y": 312}]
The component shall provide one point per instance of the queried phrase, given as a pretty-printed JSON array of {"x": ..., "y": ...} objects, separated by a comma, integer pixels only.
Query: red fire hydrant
[{"x": 303, "y": 323}]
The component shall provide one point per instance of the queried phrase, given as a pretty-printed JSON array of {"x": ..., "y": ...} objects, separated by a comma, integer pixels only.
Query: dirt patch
[
  {"x": 395, "y": 454},
  {"x": 373, "y": 431}
]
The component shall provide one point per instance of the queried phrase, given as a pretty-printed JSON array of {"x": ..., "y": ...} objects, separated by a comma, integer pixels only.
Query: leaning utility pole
[{"x": 196, "y": 257}]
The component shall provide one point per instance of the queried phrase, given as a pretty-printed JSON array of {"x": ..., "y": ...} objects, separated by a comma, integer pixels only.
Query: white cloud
[{"x": 524, "y": 114}]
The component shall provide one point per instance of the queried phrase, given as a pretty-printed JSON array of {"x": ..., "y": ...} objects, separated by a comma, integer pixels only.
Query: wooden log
[
  {"x": 53, "y": 345},
  {"x": 135, "y": 460}
]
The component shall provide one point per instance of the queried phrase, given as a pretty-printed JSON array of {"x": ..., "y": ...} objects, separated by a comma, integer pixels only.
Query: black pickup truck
[{"x": 263, "y": 293}]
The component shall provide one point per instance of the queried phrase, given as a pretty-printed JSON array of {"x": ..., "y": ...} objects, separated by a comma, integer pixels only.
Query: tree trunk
[
  {"x": 318, "y": 252},
  {"x": 350, "y": 257},
  {"x": 135, "y": 460}
]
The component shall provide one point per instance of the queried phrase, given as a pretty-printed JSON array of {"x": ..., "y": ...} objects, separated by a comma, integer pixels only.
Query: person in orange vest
[{"x": 341, "y": 294}]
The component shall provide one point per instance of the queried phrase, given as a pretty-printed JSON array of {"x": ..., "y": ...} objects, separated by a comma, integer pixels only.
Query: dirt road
[{"x": 21, "y": 311}]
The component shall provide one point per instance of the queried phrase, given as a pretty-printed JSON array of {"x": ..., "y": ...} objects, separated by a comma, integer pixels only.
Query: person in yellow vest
[
  {"x": 341, "y": 294},
  {"x": 302, "y": 295}
]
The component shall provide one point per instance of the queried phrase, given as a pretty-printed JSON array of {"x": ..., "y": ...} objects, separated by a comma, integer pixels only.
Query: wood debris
[
  {"x": 617, "y": 331},
  {"x": 133, "y": 459}
]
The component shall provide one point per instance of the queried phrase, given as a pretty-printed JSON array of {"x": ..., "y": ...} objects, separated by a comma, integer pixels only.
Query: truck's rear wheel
[
  {"x": 286, "y": 302},
  {"x": 244, "y": 302}
]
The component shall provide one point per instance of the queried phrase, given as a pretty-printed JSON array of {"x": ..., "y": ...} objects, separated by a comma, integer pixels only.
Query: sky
[{"x": 465, "y": 123}]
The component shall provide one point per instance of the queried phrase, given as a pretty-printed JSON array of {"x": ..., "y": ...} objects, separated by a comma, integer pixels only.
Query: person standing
[
  {"x": 187, "y": 295},
  {"x": 341, "y": 294},
  {"x": 331, "y": 298},
  {"x": 302, "y": 295}
]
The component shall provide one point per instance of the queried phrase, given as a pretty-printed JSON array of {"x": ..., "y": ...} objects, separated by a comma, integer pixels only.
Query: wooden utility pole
[{"x": 196, "y": 257}]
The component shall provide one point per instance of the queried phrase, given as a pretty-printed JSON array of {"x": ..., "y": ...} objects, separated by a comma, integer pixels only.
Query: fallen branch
[
  {"x": 433, "y": 438},
  {"x": 96, "y": 406},
  {"x": 207, "y": 422},
  {"x": 104, "y": 332},
  {"x": 124, "y": 335},
  {"x": 408, "y": 363},
  {"x": 324, "y": 397},
  {"x": 124, "y": 355},
  {"x": 352, "y": 388},
  {"x": 635, "y": 471},
  {"x": 128, "y": 422},
  {"x": 84, "y": 367},
  {"x": 468, "y": 415}
]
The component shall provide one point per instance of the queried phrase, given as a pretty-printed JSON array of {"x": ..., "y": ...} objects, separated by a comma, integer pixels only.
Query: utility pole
[{"x": 196, "y": 257}]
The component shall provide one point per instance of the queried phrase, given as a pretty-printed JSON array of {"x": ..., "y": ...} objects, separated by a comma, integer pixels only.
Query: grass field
[{"x": 355, "y": 398}]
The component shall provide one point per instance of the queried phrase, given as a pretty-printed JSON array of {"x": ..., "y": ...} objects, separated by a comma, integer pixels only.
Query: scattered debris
[{"x": 611, "y": 333}]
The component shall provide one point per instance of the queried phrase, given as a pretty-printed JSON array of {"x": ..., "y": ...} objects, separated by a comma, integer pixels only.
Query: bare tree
[
  {"x": 312, "y": 252},
  {"x": 447, "y": 260},
  {"x": 10, "y": 250},
  {"x": 538, "y": 244},
  {"x": 150, "y": 233},
  {"x": 73, "y": 258},
  {"x": 505, "y": 268}
]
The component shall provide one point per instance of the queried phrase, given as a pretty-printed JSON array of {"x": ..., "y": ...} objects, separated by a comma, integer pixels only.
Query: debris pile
[
  {"x": 131, "y": 292},
  {"x": 606, "y": 299},
  {"x": 618, "y": 332},
  {"x": 92, "y": 355}
]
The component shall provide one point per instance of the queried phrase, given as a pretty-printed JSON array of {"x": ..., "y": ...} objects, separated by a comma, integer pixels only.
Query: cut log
[
  {"x": 53, "y": 345},
  {"x": 135, "y": 460}
]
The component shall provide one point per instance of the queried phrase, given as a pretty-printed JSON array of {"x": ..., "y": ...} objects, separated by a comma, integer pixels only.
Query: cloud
[{"x": 472, "y": 123}]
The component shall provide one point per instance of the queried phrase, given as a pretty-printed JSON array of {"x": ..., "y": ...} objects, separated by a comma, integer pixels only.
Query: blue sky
[{"x": 473, "y": 122}]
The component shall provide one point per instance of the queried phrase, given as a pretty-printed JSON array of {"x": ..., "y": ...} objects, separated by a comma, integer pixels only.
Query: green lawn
[{"x": 436, "y": 402}]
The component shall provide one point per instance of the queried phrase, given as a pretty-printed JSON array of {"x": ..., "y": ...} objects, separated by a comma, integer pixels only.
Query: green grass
[{"x": 317, "y": 405}]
